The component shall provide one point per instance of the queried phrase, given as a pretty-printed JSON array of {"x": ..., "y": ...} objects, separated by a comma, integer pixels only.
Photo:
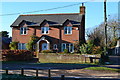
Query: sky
[{"x": 94, "y": 11}]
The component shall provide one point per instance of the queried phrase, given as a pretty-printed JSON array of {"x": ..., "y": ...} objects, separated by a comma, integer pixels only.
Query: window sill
[{"x": 67, "y": 34}]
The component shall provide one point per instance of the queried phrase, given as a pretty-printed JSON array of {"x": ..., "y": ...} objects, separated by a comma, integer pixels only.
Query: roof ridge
[{"x": 48, "y": 14}]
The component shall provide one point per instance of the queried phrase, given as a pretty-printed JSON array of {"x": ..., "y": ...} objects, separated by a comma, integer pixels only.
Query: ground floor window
[
  {"x": 55, "y": 46},
  {"x": 22, "y": 46},
  {"x": 68, "y": 46}
]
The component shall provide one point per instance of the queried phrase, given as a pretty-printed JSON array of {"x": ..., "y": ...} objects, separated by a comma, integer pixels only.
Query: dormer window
[
  {"x": 23, "y": 30},
  {"x": 67, "y": 30},
  {"x": 44, "y": 30}
]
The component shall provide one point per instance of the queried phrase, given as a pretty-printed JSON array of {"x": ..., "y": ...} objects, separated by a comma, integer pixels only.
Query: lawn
[{"x": 102, "y": 69}]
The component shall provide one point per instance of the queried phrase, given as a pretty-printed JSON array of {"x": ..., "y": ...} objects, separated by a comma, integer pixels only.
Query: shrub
[
  {"x": 46, "y": 51},
  {"x": 32, "y": 43},
  {"x": 97, "y": 50},
  {"x": 65, "y": 50},
  {"x": 13, "y": 45},
  {"x": 19, "y": 55}
]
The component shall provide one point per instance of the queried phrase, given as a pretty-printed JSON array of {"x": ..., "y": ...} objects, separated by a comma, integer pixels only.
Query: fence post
[
  {"x": 62, "y": 77},
  {"x": 49, "y": 74},
  {"x": 36, "y": 72},
  {"x": 7, "y": 70},
  {"x": 22, "y": 71}
]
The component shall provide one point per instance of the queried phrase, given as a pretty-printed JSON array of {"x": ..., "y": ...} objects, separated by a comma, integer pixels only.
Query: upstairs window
[
  {"x": 23, "y": 30},
  {"x": 67, "y": 30},
  {"x": 44, "y": 30}
]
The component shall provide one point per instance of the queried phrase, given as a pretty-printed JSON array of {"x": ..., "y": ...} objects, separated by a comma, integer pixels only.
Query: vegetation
[
  {"x": 86, "y": 48},
  {"x": 46, "y": 51},
  {"x": 17, "y": 55},
  {"x": 4, "y": 34},
  {"x": 31, "y": 45},
  {"x": 13, "y": 45},
  {"x": 103, "y": 69},
  {"x": 66, "y": 51}
]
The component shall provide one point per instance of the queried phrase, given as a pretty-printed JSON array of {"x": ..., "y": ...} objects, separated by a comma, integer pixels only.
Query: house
[{"x": 55, "y": 31}]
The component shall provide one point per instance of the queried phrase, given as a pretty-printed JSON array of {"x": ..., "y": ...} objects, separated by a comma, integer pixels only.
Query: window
[
  {"x": 68, "y": 46},
  {"x": 55, "y": 46},
  {"x": 44, "y": 30},
  {"x": 63, "y": 46},
  {"x": 23, "y": 30},
  {"x": 67, "y": 30},
  {"x": 71, "y": 48},
  {"x": 22, "y": 46}
]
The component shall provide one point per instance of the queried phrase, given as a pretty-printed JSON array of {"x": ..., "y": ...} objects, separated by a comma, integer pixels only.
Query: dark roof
[{"x": 37, "y": 19}]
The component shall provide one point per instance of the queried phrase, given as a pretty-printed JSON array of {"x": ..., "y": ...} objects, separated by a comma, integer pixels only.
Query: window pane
[
  {"x": 63, "y": 47},
  {"x": 21, "y": 30},
  {"x": 42, "y": 28},
  {"x": 69, "y": 30},
  {"x": 25, "y": 29},
  {"x": 47, "y": 28},
  {"x": 19, "y": 46},
  {"x": 65, "y": 30}
]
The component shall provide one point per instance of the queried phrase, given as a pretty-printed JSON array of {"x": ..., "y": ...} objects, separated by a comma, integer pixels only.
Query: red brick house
[{"x": 55, "y": 31}]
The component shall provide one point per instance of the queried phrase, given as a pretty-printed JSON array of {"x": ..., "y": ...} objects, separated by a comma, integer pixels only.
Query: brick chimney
[
  {"x": 82, "y": 26},
  {"x": 82, "y": 9}
]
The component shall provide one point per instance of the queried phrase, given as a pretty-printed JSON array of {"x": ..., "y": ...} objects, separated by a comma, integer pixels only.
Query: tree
[
  {"x": 4, "y": 34},
  {"x": 30, "y": 45},
  {"x": 87, "y": 48},
  {"x": 98, "y": 34}
]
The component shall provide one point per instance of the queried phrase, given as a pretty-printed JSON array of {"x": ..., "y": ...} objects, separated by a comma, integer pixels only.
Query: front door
[{"x": 44, "y": 46}]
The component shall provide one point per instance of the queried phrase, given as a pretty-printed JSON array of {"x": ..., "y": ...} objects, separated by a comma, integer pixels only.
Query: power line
[{"x": 45, "y": 9}]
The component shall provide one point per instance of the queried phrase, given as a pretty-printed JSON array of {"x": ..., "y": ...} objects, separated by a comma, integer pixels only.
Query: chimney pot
[{"x": 82, "y": 9}]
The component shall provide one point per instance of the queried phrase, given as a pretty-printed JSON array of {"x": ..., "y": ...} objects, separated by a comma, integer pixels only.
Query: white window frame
[
  {"x": 23, "y": 30},
  {"x": 69, "y": 44},
  {"x": 68, "y": 28},
  {"x": 45, "y": 30},
  {"x": 55, "y": 46},
  {"x": 22, "y": 46}
]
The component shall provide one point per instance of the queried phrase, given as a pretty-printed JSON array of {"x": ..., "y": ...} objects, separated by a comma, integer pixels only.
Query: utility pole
[{"x": 105, "y": 23}]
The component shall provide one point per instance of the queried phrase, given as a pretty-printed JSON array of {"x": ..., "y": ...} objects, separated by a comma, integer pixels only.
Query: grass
[{"x": 102, "y": 69}]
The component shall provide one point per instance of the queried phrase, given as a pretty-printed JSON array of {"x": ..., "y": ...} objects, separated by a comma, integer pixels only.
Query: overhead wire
[{"x": 45, "y": 9}]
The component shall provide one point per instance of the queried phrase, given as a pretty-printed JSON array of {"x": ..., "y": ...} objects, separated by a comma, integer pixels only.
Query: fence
[{"x": 22, "y": 72}]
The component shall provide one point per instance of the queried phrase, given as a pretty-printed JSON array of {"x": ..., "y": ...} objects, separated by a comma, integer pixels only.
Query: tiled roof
[{"x": 37, "y": 19}]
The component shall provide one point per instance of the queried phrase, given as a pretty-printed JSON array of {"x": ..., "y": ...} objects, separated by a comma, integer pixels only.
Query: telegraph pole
[{"x": 105, "y": 23}]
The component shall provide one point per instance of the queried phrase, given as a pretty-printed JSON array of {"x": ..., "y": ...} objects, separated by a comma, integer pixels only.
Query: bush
[
  {"x": 13, "y": 45},
  {"x": 97, "y": 50},
  {"x": 65, "y": 50},
  {"x": 32, "y": 43},
  {"x": 17, "y": 55},
  {"x": 46, "y": 51}
]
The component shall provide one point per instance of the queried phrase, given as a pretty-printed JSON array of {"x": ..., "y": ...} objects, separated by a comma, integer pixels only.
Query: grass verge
[{"x": 102, "y": 69}]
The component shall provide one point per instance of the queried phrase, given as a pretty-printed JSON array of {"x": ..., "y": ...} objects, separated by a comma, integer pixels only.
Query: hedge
[{"x": 17, "y": 55}]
